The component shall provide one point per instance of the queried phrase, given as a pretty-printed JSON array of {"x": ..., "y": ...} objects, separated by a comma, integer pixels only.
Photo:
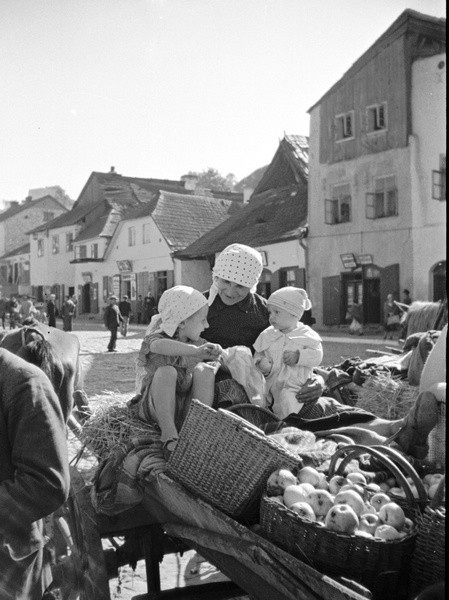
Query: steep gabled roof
[
  {"x": 69, "y": 218},
  {"x": 17, "y": 208},
  {"x": 290, "y": 164},
  {"x": 183, "y": 218},
  {"x": 25, "y": 249},
  {"x": 274, "y": 216},
  {"x": 408, "y": 20}
]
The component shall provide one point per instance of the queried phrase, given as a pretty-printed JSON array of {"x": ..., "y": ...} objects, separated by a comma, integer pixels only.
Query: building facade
[{"x": 377, "y": 211}]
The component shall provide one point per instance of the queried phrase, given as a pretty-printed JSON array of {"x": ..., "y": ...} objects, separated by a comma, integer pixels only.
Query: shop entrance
[{"x": 86, "y": 298}]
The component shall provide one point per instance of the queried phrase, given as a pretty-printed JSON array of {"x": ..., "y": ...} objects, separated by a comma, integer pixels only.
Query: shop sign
[
  {"x": 124, "y": 266},
  {"x": 116, "y": 285},
  {"x": 87, "y": 277},
  {"x": 128, "y": 276},
  {"x": 348, "y": 261},
  {"x": 365, "y": 259}
]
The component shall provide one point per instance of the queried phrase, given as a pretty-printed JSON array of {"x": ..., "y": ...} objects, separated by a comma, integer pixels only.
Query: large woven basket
[
  {"x": 428, "y": 564},
  {"x": 437, "y": 438},
  {"x": 226, "y": 460},
  {"x": 380, "y": 566}
]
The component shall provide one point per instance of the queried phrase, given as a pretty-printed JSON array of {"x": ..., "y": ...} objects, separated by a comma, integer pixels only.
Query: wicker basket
[
  {"x": 226, "y": 461},
  {"x": 428, "y": 564},
  {"x": 437, "y": 438},
  {"x": 257, "y": 415},
  {"x": 380, "y": 566}
]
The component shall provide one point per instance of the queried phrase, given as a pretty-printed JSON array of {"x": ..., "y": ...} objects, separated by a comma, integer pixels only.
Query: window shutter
[
  {"x": 328, "y": 212},
  {"x": 437, "y": 185},
  {"x": 370, "y": 210}
]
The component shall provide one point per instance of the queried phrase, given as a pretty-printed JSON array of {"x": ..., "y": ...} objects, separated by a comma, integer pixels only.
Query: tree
[{"x": 211, "y": 179}]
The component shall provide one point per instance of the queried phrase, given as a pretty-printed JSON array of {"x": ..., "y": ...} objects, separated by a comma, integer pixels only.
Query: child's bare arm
[
  {"x": 207, "y": 351},
  {"x": 306, "y": 357}
]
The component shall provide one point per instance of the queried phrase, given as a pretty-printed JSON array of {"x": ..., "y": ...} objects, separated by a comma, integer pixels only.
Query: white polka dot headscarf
[
  {"x": 292, "y": 299},
  {"x": 176, "y": 305},
  {"x": 239, "y": 264}
]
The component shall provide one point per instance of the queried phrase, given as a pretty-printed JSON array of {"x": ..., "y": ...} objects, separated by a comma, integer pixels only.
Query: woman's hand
[
  {"x": 311, "y": 390},
  {"x": 290, "y": 357}
]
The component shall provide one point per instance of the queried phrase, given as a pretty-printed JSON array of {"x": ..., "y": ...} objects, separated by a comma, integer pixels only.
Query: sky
[{"x": 158, "y": 88}]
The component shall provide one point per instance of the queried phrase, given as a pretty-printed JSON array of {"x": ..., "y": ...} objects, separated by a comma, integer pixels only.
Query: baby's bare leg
[
  {"x": 163, "y": 402},
  {"x": 204, "y": 382}
]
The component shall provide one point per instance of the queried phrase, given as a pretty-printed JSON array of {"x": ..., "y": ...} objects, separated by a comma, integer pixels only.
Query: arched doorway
[{"x": 439, "y": 281}]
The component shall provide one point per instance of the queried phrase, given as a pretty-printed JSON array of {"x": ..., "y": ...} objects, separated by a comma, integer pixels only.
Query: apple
[
  {"x": 336, "y": 483},
  {"x": 369, "y": 522},
  {"x": 387, "y": 533},
  {"x": 355, "y": 487},
  {"x": 353, "y": 499},
  {"x": 321, "y": 501},
  {"x": 279, "y": 480},
  {"x": 397, "y": 491},
  {"x": 342, "y": 518},
  {"x": 309, "y": 475},
  {"x": 433, "y": 489},
  {"x": 384, "y": 487},
  {"x": 372, "y": 488},
  {"x": 363, "y": 533},
  {"x": 435, "y": 479},
  {"x": 356, "y": 478},
  {"x": 378, "y": 500},
  {"x": 409, "y": 526},
  {"x": 391, "y": 481},
  {"x": 296, "y": 493},
  {"x": 369, "y": 508},
  {"x": 392, "y": 514},
  {"x": 323, "y": 483},
  {"x": 304, "y": 510}
]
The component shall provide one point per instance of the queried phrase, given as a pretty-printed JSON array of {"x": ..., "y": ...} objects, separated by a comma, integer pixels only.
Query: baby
[
  {"x": 287, "y": 351},
  {"x": 170, "y": 370}
]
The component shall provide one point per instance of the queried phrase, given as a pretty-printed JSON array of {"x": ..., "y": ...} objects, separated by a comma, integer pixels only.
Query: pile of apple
[
  {"x": 430, "y": 482},
  {"x": 344, "y": 504}
]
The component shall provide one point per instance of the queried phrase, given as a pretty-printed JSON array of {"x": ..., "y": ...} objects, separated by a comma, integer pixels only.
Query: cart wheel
[{"x": 79, "y": 569}]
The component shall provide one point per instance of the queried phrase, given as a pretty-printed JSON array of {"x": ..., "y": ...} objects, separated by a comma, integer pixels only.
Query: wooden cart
[{"x": 169, "y": 520}]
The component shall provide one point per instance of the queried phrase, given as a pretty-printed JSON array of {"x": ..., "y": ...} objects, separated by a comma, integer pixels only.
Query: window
[
  {"x": 383, "y": 202},
  {"x": 338, "y": 208},
  {"x": 40, "y": 247},
  {"x": 80, "y": 252},
  {"x": 94, "y": 251},
  {"x": 439, "y": 181},
  {"x": 69, "y": 242},
  {"x": 376, "y": 116},
  {"x": 48, "y": 216},
  {"x": 344, "y": 126},
  {"x": 131, "y": 236},
  {"x": 55, "y": 244},
  {"x": 146, "y": 233}
]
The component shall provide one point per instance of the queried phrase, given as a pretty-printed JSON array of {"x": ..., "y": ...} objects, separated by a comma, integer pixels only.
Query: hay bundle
[
  {"x": 422, "y": 316},
  {"x": 387, "y": 396},
  {"x": 111, "y": 424}
]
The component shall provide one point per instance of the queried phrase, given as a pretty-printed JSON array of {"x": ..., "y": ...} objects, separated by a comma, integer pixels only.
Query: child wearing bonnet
[
  {"x": 170, "y": 368},
  {"x": 287, "y": 351}
]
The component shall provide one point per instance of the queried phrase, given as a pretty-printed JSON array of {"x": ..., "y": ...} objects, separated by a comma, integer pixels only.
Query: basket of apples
[{"x": 343, "y": 524}]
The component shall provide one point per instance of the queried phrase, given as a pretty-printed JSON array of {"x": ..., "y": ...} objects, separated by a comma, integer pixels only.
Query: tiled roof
[
  {"x": 25, "y": 249},
  {"x": 17, "y": 208},
  {"x": 274, "y": 216},
  {"x": 69, "y": 218}
]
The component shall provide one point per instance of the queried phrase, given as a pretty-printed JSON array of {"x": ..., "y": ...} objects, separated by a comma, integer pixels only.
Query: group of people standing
[{"x": 45, "y": 312}]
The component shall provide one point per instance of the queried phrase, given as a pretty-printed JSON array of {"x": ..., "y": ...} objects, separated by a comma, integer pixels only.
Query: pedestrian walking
[
  {"x": 14, "y": 312},
  {"x": 3, "y": 305},
  {"x": 391, "y": 317},
  {"x": 112, "y": 319},
  {"x": 149, "y": 307},
  {"x": 139, "y": 309},
  {"x": 125, "y": 310},
  {"x": 51, "y": 310},
  {"x": 68, "y": 310}
]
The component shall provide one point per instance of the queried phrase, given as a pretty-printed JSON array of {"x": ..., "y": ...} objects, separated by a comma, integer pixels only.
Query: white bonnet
[
  {"x": 240, "y": 264},
  {"x": 292, "y": 299},
  {"x": 178, "y": 304}
]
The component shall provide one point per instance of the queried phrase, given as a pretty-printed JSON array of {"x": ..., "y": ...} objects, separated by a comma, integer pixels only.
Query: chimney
[
  {"x": 190, "y": 182},
  {"x": 247, "y": 193},
  {"x": 28, "y": 198},
  {"x": 112, "y": 170}
]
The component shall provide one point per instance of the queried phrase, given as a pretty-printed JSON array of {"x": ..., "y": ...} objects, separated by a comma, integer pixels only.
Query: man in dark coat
[
  {"x": 125, "y": 310},
  {"x": 112, "y": 320},
  {"x": 51, "y": 311},
  {"x": 149, "y": 307},
  {"x": 68, "y": 312},
  {"x": 34, "y": 475}
]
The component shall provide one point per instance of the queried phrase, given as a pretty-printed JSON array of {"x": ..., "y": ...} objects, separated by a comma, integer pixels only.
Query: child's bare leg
[
  {"x": 203, "y": 383},
  {"x": 163, "y": 402}
]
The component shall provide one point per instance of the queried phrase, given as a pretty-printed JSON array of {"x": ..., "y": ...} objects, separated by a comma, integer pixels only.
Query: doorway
[
  {"x": 86, "y": 298},
  {"x": 439, "y": 281}
]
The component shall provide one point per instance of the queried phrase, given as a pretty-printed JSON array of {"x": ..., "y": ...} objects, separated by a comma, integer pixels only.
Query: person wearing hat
[
  {"x": 125, "y": 310},
  {"x": 112, "y": 319},
  {"x": 287, "y": 351},
  {"x": 170, "y": 368}
]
